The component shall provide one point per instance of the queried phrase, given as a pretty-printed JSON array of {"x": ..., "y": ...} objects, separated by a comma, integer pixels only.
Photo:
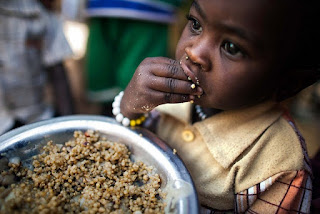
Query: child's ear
[{"x": 294, "y": 81}]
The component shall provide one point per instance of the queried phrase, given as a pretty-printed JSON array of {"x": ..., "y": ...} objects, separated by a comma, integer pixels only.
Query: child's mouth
[{"x": 191, "y": 76}]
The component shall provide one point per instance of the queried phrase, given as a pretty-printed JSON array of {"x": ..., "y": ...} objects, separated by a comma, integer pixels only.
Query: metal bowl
[{"x": 26, "y": 141}]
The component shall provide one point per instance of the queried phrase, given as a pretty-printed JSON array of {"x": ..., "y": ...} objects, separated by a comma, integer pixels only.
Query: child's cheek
[
  {"x": 184, "y": 42},
  {"x": 179, "y": 50}
]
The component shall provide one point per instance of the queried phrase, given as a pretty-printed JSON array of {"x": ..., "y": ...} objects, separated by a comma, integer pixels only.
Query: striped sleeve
[{"x": 285, "y": 192}]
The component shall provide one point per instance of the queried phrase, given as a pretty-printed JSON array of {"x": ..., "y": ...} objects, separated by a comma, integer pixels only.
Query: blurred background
[{"x": 76, "y": 27}]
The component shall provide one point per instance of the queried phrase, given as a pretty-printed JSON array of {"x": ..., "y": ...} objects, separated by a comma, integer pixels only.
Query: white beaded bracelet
[{"x": 122, "y": 119}]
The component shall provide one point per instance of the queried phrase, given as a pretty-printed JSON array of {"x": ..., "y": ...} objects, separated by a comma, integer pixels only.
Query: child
[{"x": 235, "y": 61}]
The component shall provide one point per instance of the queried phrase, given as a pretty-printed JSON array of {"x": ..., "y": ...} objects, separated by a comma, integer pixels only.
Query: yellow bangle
[
  {"x": 137, "y": 121},
  {"x": 122, "y": 119}
]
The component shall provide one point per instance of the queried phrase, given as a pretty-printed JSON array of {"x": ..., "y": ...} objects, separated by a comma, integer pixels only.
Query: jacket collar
[{"x": 229, "y": 133}]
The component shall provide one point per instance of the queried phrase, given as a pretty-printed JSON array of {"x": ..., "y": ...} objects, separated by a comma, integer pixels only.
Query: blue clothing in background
[{"x": 147, "y": 10}]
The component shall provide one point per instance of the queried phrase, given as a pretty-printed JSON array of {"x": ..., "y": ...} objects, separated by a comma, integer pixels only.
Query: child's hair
[{"x": 304, "y": 62}]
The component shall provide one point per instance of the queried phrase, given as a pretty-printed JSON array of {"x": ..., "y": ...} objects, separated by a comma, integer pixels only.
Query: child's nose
[{"x": 199, "y": 57}]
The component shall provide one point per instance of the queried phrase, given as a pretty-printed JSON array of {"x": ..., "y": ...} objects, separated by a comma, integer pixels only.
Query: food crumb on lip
[
  {"x": 190, "y": 75},
  {"x": 174, "y": 151}
]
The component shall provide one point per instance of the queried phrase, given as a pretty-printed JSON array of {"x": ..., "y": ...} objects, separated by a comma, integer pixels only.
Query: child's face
[{"x": 234, "y": 49}]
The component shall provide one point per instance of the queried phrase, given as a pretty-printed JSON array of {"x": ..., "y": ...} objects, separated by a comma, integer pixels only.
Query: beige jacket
[{"x": 241, "y": 160}]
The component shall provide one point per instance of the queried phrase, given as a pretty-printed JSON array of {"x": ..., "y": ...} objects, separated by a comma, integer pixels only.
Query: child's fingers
[
  {"x": 176, "y": 86},
  {"x": 165, "y": 67},
  {"x": 164, "y": 97},
  {"x": 162, "y": 60},
  {"x": 169, "y": 70}
]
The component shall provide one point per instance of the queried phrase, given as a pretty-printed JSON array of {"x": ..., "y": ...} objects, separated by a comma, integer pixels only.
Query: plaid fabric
[
  {"x": 286, "y": 192},
  {"x": 294, "y": 191}
]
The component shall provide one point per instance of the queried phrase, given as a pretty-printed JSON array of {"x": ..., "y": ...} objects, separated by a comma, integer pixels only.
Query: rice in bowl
[{"x": 88, "y": 174}]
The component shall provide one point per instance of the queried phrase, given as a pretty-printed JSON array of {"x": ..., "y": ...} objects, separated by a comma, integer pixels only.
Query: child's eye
[
  {"x": 232, "y": 49},
  {"x": 195, "y": 25}
]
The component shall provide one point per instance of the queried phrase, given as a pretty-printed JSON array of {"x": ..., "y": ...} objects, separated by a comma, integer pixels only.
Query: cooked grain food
[{"x": 87, "y": 174}]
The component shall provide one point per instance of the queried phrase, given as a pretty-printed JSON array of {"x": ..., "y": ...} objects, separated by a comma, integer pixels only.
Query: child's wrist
[{"x": 116, "y": 111}]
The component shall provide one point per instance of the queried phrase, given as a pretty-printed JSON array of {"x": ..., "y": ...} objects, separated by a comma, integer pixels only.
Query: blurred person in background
[
  {"x": 121, "y": 34},
  {"x": 32, "y": 50}
]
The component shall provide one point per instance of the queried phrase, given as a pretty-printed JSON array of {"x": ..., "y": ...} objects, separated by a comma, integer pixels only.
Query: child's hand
[{"x": 157, "y": 81}]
